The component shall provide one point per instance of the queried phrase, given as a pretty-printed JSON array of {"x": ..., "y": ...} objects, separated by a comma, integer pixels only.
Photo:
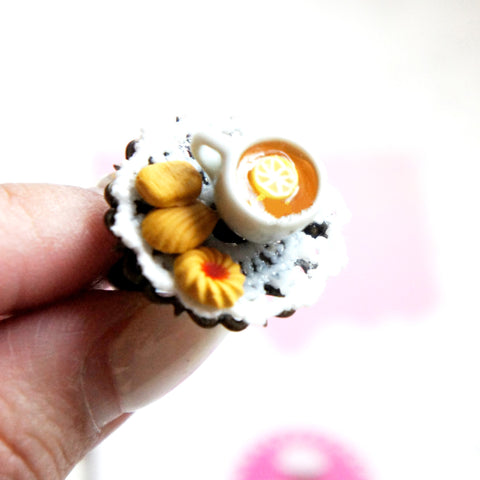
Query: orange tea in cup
[
  {"x": 265, "y": 189},
  {"x": 278, "y": 177}
]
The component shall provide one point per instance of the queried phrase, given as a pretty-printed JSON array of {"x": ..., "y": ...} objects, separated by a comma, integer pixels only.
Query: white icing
[{"x": 254, "y": 307}]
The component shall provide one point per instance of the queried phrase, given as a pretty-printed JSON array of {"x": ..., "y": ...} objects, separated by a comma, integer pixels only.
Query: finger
[
  {"x": 53, "y": 242},
  {"x": 68, "y": 375}
]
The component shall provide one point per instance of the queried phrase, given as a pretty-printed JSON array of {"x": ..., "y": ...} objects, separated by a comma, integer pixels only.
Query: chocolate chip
[
  {"x": 286, "y": 313},
  {"x": 273, "y": 291},
  {"x": 265, "y": 259},
  {"x": 223, "y": 233},
  {"x": 316, "y": 229},
  {"x": 130, "y": 149},
  {"x": 272, "y": 252},
  {"x": 305, "y": 264}
]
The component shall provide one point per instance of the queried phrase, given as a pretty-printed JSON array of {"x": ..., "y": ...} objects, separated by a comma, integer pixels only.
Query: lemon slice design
[{"x": 274, "y": 176}]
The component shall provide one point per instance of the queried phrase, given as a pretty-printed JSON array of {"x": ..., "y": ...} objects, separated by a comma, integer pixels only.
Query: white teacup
[{"x": 241, "y": 207}]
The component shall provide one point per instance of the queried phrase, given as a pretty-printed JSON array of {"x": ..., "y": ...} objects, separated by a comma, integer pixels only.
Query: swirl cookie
[{"x": 179, "y": 218}]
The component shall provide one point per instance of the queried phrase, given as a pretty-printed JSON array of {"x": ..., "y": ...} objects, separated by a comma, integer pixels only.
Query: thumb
[{"x": 71, "y": 372}]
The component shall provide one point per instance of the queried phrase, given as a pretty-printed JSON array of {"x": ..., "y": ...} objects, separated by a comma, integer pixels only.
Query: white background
[{"x": 372, "y": 78}]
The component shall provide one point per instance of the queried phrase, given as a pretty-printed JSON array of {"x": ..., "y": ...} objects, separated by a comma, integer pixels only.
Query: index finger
[{"x": 52, "y": 242}]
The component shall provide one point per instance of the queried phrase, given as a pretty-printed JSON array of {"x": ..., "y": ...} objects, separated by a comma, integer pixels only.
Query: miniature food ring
[{"x": 263, "y": 249}]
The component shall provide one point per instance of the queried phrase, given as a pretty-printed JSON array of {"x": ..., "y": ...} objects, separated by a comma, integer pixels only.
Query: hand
[{"x": 74, "y": 359}]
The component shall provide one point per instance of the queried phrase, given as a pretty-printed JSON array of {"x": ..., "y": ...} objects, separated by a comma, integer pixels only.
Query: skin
[{"x": 55, "y": 253}]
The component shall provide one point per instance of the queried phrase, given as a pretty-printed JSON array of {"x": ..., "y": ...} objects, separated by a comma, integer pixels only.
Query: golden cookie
[
  {"x": 169, "y": 184},
  {"x": 210, "y": 277},
  {"x": 178, "y": 229}
]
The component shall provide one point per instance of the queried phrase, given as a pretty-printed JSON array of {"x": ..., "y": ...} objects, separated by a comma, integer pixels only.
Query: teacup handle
[{"x": 211, "y": 159}]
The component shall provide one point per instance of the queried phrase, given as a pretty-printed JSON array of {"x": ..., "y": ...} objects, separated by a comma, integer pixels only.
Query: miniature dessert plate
[{"x": 232, "y": 228}]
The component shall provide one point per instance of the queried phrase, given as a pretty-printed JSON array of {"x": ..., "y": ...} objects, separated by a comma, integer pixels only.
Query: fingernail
[{"x": 141, "y": 359}]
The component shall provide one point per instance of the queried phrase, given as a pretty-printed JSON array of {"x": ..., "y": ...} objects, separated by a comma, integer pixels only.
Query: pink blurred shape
[
  {"x": 299, "y": 456},
  {"x": 390, "y": 254}
]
